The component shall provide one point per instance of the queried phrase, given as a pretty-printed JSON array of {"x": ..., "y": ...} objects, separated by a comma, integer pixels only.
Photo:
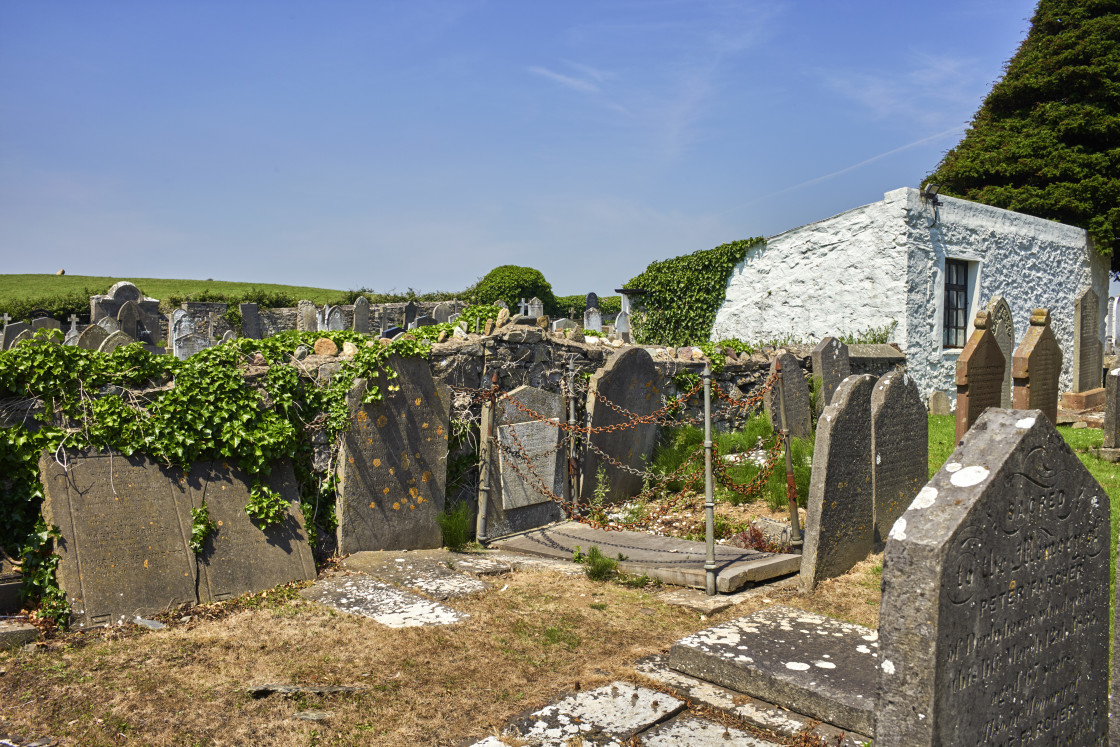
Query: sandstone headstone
[
  {"x": 1037, "y": 366},
  {"x": 250, "y": 321},
  {"x": 92, "y": 337},
  {"x": 361, "y": 315},
  {"x": 336, "y": 322},
  {"x": 1112, "y": 410},
  {"x": 831, "y": 364},
  {"x": 325, "y": 346},
  {"x": 796, "y": 392},
  {"x": 939, "y": 403},
  {"x": 129, "y": 318},
  {"x": 900, "y": 448},
  {"x": 1086, "y": 342},
  {"x": 593, "y": 320},
  {"x": 393, "y": 465},
  {"x": 630, "y": 381},
  {"x": 839, "y": 525},
  {"x": 979, "y": 375},
  {"x": 995, "y": 611},
  {"x": 1003, "y": 329},
  {"x": 114, "y": 341},
  {"x": 307, "y": 317}
]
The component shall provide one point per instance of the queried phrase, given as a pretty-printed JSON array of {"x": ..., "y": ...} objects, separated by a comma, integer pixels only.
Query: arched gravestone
[
  {"x": 124, "y": 291},
  {"x": 591, "y": 302},
  {"x": 1037, "y": 367},
  {"x": 336, "y": 322},
  {"x": 92, "y": 337},
  {"x": 130, "y": 319},
  {"x": 799, "y": 419},
  {"x": 593, "y": 320},
  {"x": 442, "y": 313},
  {"x": 306, "y": 317},
  {"x": 1086, "y": 342},
  {"x": 109, "y": 324},
  {"x": 392, "y": 468},
  {"x": 631, "y": 382},
  {"x": 12, "y": 331},
  {"x": 994, "y": 621},
  {"x": 839, "y": 524},
  {"x": 832, "y": 364},
  {"x": 979, "y": 375},
  {"x": 899, "y": 447},
  {"x": 1003, "y": 329},
  {"x": 361, "y": 315},
  {"x": 114, "y": 341}
]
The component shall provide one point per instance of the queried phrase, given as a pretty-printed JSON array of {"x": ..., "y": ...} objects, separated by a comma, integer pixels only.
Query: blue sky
[{"x": 419, "y": 144}]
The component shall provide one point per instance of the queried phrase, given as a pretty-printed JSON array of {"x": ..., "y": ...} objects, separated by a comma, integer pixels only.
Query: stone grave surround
[
  {"x": 995, "y": 611},
  {"x": 126, "y": 528},
  {"x": 393, "y": 464}
]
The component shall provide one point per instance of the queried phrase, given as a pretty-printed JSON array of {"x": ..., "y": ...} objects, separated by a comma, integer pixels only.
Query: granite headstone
[
  {"x": 832, "y": 365},
  {"x": 900, "y": 448},
  {"x": 250, "y": 321}
]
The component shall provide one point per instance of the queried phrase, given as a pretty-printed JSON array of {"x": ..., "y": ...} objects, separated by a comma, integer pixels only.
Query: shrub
[{"x": 511, "y": 283}]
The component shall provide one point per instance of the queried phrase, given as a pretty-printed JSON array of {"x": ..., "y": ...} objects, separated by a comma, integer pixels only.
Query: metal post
[
  {"x": 484, "y": 459},
  {"x": 709, "y": 500},
  {"x": 791, "y": 484},
  {"x": 570, "y": 486}
]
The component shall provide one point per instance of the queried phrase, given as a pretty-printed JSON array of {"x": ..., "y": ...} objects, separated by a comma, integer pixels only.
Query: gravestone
[
  {"x": 23, "y": 336},
  {"x": 593, "y": 320},
  {"x": 393, "y": 332},
  {"x": 622, "y": 326},
  {"x": 1111, "y": 426},
  {"x": 630, "y": 381},
  {"x": 12, "y": 330},
  {"x": 250, "y": 321},
  {"x": 361, "y": 315},
  {"x": 530, "y": 458},
  {"x": 1086, "y": 342},
  {"x": 1110, "y": 326},
  {"x": 994, "y": 621},
  {"x": 109, "y": 324},
  {"x": 796, "y": 391},
  {"x": 1115, "y": 320},
  {"x": 839, "y": 525},
  {"x": 442, "y": 313},
  {"x": 591, "y": 302},
  {"x": 189, "y": 344},
  {"x": 1003, "y": 329},
  {"x": 979, "y": 375},
  {"x": 229, "y": 336},
  {"x": 45, "y": 322},
  {"x": 562, "y": 324},
  {"x": 393, "y": 464},
  {"x": 1037, "y": 367},
  {"x": 129, "y": 319},
  {"x": 900, "y": 448},
  {"x": 336, "y": 322},
  {"x": 307, "y": 317},
  {"x": 939, "y": 403},
  {"x": 72, "y": 334},
  {"x": 180, "y": 325},
  {"x": 114, "y": 341},
  {"x": 536, "y": 307},
  {"x": 410, "y": 312},
  {"x": 424, "y": 321},
  {"x": 831, "y": 364},
  {"x": 92, "y": 337}
]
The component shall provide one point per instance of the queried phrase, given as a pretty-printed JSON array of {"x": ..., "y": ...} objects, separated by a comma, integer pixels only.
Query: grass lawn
[{"x": 14, "y": 287}]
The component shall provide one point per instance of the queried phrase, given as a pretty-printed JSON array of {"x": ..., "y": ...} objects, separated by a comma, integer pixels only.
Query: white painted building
[{"x": 903, "y": 261}]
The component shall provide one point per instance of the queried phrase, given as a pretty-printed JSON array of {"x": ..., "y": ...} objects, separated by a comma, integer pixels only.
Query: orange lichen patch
[
  {"x": 423, "y": 425},
  {"x": 381, "y": 421},
  {"x": 385, "y": 490},
  {"x": 411, "y": 507},
  {"x": 396, "y": 505},
  {"x": 420, "y": 499},
  {"x": 376, "y": 462},
  {"x": 362, "y": 417},
  {"x": 439, "y": 430},
  {"x": 418, "y": 402},
  {"x": 404, "y": 462},
  {"x": 350, "y": 459},
  {"x": 413, "y": 492},
  {"x": 392, "y": 471},
  {"x": 374, "y": 505},
  {"x": 426, "y": 476}
]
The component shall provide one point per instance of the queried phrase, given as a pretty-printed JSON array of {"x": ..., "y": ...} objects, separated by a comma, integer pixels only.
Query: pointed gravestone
[
  {"x": 629, "y": 381},
  {"x": 92, "y": 337},
  {"x": 410, "y": 312},
  {"x": 361, "y": 315},
  {"x": 392, "y": 468},
  {"x": 306, "y": 317},
  {"x": 1086, "y": 342},
  {"x": 1003, "y": 329},
  {"x": 250, "y": 321},
  {"x": 839, "y": 525},
  {"x": 1037, "y": 367},
  {"x": 832, "y": 365},
  {"x": 796, "y": 393},
  {"x": 593, "y": 320},
  {"x": 995, "y": 612},
  {"x": 336, "y": 322},
  {"x": 900, "y": 448},
  {"x": 129, "y": 318},
  {"x": 979, "y": 375}
]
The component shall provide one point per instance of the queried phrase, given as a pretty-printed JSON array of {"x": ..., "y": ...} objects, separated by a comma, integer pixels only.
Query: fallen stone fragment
[{"x": 361, "y": 595}]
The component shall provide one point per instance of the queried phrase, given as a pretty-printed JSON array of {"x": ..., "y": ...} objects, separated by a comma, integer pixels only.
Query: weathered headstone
[
  {"x": 180, "y": 325},
  {"x": 593, "y": 320},
  {"x": 995, "y": 611},
  {"x": 109, "y": 324},
  {"x": 189, "y": 344},
  {"x": 1115, "y": 321},
  {"x": 592, "y": 301},
  {"x": 307, "y": 317},
  {"x": 979, "y": 375},
  {"x": 796, "y": 392},
  {"x": 92, "y": 337},
  {"x": 562, "y": 324},
  {"x": 361, "y": 315},
  {"x": 12, "y": 330},
  {"x": 622, "y": 326},
  {"x": 536, "y": 307},
  {"x": 410, "y": 312},
  {"x": 45, "y": 322},
  {"x": 229, "y": 336},
  {"x": 939, "y": 403},
  {"x": 1110, "y": 325},
  {"x": 839, "y": 525},
  {"x": 1111, "y": 426},
  {"x": 129, "y": 319},
  {"x": 899, "y": 447},
  {"x": 23, "y": 336},
  {"x": 531, "y": 462},
  {"x": 114, "y": 341},
  {"x": 250, "y": 321},
  {"x": 831, "y": 364},
  {"x": 442, "y": 313},
  {"x": 1086, "y": 342},
  {"x": 393, "y": 464},
  {"x": 631, "y": 382},
  {"x": 424, "y": 321},
  {"x": 336, "y": 322},
  {"x": 1037, "y": 366},
  {"x": 1003, "y": 329}
]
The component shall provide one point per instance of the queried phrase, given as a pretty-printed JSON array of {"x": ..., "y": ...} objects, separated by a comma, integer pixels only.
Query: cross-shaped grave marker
[
  {"x": 73, "y": 322},
  {"x": 6, "y": 319},
  {"x": 524, "y": 307}
]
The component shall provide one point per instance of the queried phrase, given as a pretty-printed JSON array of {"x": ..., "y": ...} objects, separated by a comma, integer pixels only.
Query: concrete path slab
[
  {"x": 671, "y": 560},
  {"x": 689, "y": 731},
  {"x": 751, "y": 710},
  {"x": 361, "y": 595},
  {"x": 427, "y": 574},
  {"x": 806, "y": 662}
]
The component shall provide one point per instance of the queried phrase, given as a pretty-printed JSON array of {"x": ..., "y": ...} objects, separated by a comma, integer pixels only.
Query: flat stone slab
[
  {"x": 427, "y": 575},
  {"x": 392, "y": 607},
  {"x": 477, "y": 565},
  {"x": 690, "y": 731},
  {"x": 668, "y": 559},
  {"x": 536, "y": 563},
  {"x": 756, "y": 712},
  {"x": 806, "y": 662},
  {"x": 15, "y": 633},
  {"x": 698, "y": 600}
]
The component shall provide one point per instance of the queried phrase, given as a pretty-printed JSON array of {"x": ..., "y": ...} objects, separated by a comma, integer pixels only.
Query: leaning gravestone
[
  {"x": 1086, "y": 342},
  {"x": 361, "y": 315},
  {"x": 631, "y": 382},
  {"x": 979, "y": 375},
  {"x": 1003, "y": 329},
  {"x": 994, "y": 621},
  {"x": 900, "y": 448},
  {"x": 529, "y": 461},
  {"x": 831, "y": 363},
  {"x": 114, "y": 341},
  {"x": 796, "y": 393},
  {"x": 839, "y": 525},
  {"x": 1037, "y": 367},
  {"x": 130, "y": 319},
  {"x": 393, "y": 465},
  {"x": 92, "y": 337},
  {"x": 250, "y": 321},
  {"x": 307, "y": 317}
]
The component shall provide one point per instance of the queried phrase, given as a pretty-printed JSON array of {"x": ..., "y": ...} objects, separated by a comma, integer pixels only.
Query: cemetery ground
[{"x": 531, "y": 638}]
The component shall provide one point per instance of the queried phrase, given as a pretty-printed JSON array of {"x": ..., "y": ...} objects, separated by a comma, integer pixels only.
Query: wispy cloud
[{"x": 576, "y": 84}]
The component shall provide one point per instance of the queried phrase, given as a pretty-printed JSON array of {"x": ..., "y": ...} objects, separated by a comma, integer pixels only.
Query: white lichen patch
[
  {"x": 863, "y": 649},
  {"x": 1024, "y": 423},
  {"x": 953, "y": 467},
  {"x": 797, "y": 666},
  {"x": 824, "y": 664},
  {"x": 898, "y": 531},
  {"x": 924, "y": 499},
  {"x": 887, "y": 666},
  {"x": 970, "y": 476}
]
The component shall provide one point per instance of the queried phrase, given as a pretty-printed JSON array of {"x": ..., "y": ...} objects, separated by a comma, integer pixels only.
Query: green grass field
[{"x": 18, "y": 287}]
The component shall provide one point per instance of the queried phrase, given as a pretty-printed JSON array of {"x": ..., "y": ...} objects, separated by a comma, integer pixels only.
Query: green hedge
[{"x": 607, "y": 304}]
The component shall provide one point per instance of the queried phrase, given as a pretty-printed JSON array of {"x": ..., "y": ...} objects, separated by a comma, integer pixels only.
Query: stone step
[
  {"x": 668, "y": 559},
  {"x": 808, "y": 663}
]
